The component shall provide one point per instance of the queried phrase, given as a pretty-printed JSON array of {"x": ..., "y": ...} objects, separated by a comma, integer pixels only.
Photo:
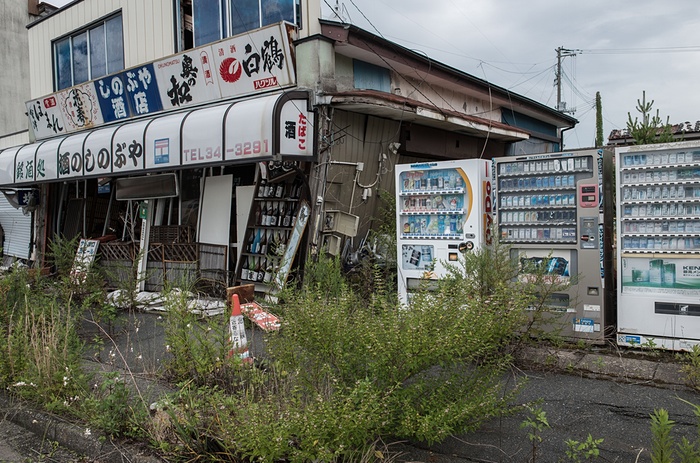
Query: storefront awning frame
[{"x": 222, "y": 133}]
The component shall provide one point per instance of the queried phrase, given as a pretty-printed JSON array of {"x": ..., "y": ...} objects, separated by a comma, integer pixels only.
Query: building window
[
  {"x": 367, "y": 76},
  {"x": 89, "y": 53},
  {"x": 207, "y": 21}
]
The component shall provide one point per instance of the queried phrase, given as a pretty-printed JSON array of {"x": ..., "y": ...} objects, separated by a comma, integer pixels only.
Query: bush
[{"x": 347, "y": 371}]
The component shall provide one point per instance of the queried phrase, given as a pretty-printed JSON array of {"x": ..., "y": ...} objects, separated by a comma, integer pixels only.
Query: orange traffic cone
[{"x": 239, "y": 342}]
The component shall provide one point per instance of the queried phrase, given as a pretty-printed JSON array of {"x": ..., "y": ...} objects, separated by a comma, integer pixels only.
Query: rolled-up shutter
[{"x": 17, "y": 229}]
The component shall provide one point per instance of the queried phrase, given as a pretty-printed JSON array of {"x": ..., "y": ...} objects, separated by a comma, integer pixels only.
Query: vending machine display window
[
  {"x": 537, "y": 199},
  {"x": 658, "y": 226},
  {"x": 555, "y": 213},
  {"x": 433, "y": 203},
  {"x": 444, "y": 210}
]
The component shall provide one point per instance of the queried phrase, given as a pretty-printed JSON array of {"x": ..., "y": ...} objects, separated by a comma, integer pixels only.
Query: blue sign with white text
[{"x": 128, "y": 94}]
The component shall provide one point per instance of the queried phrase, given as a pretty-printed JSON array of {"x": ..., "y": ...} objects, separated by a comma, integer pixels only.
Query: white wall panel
[{"x": 147, "y": 25}]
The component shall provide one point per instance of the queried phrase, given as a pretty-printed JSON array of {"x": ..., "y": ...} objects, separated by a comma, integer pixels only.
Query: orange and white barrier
[{"x": 239, "y": 341}]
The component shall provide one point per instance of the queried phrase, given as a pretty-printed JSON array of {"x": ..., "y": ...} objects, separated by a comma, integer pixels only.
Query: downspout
[{"x": 561, "y": 137}]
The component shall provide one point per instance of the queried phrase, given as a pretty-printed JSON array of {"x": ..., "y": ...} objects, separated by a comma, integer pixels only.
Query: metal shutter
[{"x": 17, "y": 228}]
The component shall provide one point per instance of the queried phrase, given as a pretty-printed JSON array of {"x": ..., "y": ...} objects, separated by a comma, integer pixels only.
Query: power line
[{"x": 631, "y": 51}]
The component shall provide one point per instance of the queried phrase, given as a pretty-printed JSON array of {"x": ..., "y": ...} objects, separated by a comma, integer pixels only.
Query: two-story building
[{"x": 227, "y": 137}]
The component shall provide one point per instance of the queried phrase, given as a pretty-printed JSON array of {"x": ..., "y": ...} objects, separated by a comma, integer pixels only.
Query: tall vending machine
[
  {"x": 555, "y": 212},
  {"x": 443, "y": 209},
  {"x": 658, "y": 233}
]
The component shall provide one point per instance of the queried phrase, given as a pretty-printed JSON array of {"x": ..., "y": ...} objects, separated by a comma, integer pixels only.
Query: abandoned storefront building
[{"x": 229, "y": 141}]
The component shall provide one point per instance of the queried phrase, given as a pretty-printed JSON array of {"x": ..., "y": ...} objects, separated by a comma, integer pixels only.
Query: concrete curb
[
  {"x": 616, "y": 367},
  {"x": 93, "y": 445}
]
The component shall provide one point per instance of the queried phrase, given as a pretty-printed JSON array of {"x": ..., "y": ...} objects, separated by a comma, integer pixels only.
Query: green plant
[
  {"x": 599, "y": 363},
  {"x": 650, "y": 129},
  {"x": 376, "y": 271},
  {"x": 39, "y": 343},
  {"x": 540, "y": 287},
  {"x": 199, "y": 347},
  {"x": 587, "y": 450},
  {"x": 651, "y": 348},
  {"x": 691, "y": 366},
  {"x": 347, "y": 370},
  {"x": 687, "y": 451},
  {"x": 661, "y": 441},
  {"x": 113, "y": 411},
  {"x": 535, "y": 424}
]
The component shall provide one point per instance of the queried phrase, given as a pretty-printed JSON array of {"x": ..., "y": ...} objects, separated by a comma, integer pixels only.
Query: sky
[{"x": 622, "y": 48}]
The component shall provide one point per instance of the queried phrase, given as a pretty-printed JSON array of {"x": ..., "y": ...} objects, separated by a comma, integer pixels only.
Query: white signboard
[
  {"x": 187, "y": 79},
  {"x": 45, "y": 117},
  {"x": 80, "y": 107},
  {"x": 295, "y": 130},
  {"x": 253, "y": 62}
]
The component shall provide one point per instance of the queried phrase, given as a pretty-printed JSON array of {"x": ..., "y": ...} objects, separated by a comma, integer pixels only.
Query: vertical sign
[
  {"x": 296, "y": 132},
  {"x": 142, "y": 90},
  {"x": 186, "y": 79},
  {"x": 45, "y": 117}
]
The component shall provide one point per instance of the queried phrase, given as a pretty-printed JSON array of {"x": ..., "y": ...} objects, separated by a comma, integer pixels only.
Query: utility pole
[{"x": 562, "y": 53}]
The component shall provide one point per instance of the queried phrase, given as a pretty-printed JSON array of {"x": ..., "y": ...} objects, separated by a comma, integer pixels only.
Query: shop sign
[
  {"x": 80, "y": 107},
  {"x": 128, "y": 94},
  {"x": 246, "y": 64},
  {"x": 254, "y": 62}
]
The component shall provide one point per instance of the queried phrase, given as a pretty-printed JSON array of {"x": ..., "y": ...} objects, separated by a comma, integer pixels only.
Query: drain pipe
[{"x": 561, "y": 137}]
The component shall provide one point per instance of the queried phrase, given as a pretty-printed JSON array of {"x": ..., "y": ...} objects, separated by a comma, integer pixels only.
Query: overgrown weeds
[{"x": 348, "y": 370}]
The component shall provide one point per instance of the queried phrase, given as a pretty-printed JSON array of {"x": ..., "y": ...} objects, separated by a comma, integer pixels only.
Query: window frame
[
  {"x": 226, "y": 23},
  {"x": 87, "y": 30}
]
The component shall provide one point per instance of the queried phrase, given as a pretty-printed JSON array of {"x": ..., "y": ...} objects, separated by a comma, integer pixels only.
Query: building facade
[
  {"x": 15, "y": 224},
  {"x": 228, "y": 140}
]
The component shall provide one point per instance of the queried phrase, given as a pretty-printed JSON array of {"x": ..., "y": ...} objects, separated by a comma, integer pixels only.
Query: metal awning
[{"x": 224, "y": 133}]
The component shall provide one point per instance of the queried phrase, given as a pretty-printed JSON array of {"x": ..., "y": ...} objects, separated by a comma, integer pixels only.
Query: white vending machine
[
  {"x": 555, "y": 212},
  {"x": 443, "y": 209},
  {"x": 658, "y": 235}
]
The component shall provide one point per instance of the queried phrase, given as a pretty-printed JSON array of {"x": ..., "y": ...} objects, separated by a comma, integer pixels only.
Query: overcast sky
[{"x": 625, "y": 48}]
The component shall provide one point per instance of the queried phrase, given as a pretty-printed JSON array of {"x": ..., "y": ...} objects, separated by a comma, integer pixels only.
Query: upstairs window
[
  {"x": 207, "y": 21},
  {"x": 368, "y": 76},
  {"x": 89, "y": 53}
]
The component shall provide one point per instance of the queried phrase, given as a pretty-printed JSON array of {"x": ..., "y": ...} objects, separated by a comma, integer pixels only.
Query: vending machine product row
[
  {"x": 555, "y": 214},
  {"x": 658, "y": 235},
  {"x": 443, "y": 209}
]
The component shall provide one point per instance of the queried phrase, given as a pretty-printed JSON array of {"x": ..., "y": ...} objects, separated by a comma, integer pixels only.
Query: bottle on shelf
[
  {"x": 287, "y": 219},
  {"x": 251, "y": 242},
  {"x": 275, "y": 214},
  {"x": 295, "y": 192},
  {"x": 259, "y": 272},
  {"x": 256, "y": 241},
  {"x": 279, "y": 190},
  {"x": 244, "y": 268},
  {"x": 251, "y": 269},
  {"x": 262, "y": 188},
  {"x": 280, "y": 214},
  {"x": 268, "y": 271},
  {"x": 263, "y": 242},
  {"x": 270, "y": 214},
  {"x": 258, "y": 213}
]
